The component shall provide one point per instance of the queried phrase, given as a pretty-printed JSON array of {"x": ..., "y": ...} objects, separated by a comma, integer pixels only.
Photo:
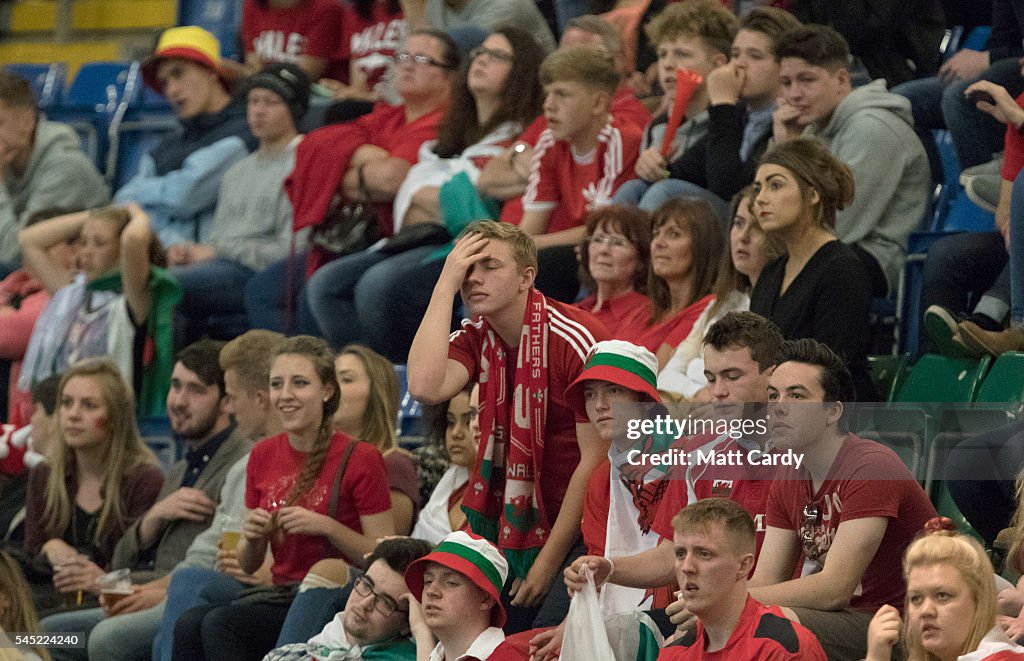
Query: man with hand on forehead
[{"x": 536, "y": 454}]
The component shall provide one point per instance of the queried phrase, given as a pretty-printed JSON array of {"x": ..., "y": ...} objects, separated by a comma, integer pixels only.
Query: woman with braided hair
[{"x": 312, "y": 493}]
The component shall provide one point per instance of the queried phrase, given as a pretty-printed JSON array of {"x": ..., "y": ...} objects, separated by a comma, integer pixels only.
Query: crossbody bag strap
[{"x": 332, "y": 507}]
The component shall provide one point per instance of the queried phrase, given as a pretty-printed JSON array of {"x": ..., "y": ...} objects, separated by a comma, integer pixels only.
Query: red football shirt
[
  {"x": 370, "y": 44},
  {"x": 571, "y": 335},
  {"x": 568, "y": 184},
  {"x": 312, "y": 28},
  {"x": 762, "y": 634},
  {"x": 866, "y": 479}
]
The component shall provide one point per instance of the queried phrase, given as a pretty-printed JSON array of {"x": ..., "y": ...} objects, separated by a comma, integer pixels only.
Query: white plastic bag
[{"x": 585, "y": 638}]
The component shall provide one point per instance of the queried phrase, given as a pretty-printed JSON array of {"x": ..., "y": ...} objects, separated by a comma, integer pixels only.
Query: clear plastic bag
[{"x": 585, "y": 638}]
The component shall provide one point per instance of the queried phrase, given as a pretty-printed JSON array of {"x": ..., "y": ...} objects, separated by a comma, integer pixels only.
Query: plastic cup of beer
[
  {"x": 115, "y": 586},
  {"x": 230, "y": 532}
]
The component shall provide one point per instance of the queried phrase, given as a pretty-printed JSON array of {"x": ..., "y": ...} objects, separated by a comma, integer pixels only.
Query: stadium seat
[
  {"x": 47, "y": 80},
  {"x": 938, "y": 379},
  {"x": 410, "y": 413},
  {"x": 1005, "y": 381},
  {"x": 91, "y": 101},
  {"x": 888, "y": 373},
  {"x": 156, "y": 433},
  {"x": 221, "y": 17}
]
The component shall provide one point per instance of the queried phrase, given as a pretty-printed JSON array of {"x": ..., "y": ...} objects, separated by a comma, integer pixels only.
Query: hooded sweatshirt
[
  {"x": 872, "y": 131},
  {"x": 59, "y": 176}
]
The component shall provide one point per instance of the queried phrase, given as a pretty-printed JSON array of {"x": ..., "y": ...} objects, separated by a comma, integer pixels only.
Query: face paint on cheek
[{"x": 101, "y": 424}]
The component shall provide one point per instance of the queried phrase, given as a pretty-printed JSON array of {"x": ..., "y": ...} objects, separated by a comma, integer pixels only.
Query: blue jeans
[
  {"x": 81, "y": 622},
  {"x": 267, "y": 296},
  {"x": 190, "y": 587},
  {"x": 126, "y": 637},
  {"x": 310, "y": 613},
  {"x": 649, "y": 197},
  {"x": 976, "y": 135},
  {"x": 1017, "y": 252},
  {"x": 331, "y": 293},
  {"x": 374, "y": 298},
  {"x": 212, "y": 301}
]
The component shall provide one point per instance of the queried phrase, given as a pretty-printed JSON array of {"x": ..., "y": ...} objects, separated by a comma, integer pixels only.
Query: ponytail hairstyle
[
  {"x": 321, "y": 357},
  {"x": 123, "y": 453}
]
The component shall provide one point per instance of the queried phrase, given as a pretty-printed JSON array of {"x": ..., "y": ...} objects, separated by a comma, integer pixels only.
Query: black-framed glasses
[
  {"x": 499, "y": 55},
  {"x": 405, "y": 56},
  {"x": 384, "y": 604},
  {"x": 812, "y": 519}
]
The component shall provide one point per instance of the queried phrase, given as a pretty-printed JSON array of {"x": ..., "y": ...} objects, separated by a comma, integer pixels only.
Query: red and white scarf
[{"x": 503, "y": 502}]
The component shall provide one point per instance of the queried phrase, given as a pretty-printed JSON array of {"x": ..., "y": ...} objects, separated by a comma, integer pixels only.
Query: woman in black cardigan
[{"x": 819, "y": 289}]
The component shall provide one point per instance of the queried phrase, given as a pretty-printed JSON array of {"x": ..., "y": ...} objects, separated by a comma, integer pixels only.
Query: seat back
[
  {"x": 1005, "y": 382},
  {"x": 102, "y": 85},
  {"x": 47, "y": 80},
  {"x": 937, "y": 379}
]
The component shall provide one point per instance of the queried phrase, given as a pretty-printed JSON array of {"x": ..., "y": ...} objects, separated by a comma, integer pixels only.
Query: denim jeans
[
  {"x": 373, "y": 298},
  {"x": 126, "y": 637},
  {"x": 267, "y": 296},
  {"x": 190, "y": 587},
  {"x": 976, "y": 135},
  {"x": 962, "y": 268},
  {"x": 212, "y": 301},
  {"x": 649, "y": 196},
  {"x": 81, "y": 622},
  {"x": 310, "y": 613},
  {"x": 330, "y": 296}
]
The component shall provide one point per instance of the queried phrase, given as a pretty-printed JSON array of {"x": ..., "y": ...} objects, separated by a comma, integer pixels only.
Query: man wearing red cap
[{"x": 177, "y": 182}]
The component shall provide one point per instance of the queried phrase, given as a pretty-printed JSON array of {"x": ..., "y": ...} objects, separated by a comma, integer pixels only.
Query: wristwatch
[{"x": 518, "y": 149}]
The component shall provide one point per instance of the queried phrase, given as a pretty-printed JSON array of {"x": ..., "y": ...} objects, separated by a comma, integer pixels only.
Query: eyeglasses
[
  {"x": 500, "y": 56},
  {"x": 812, "y": 519},
  {"x": 611, "y": 241},
  {"x": 384, "y": 604},
  {"x": 405, "y": 56}
]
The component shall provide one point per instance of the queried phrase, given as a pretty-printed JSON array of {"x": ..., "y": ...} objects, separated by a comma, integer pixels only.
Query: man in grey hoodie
[
  {"x": 44, "y": 166},
  {"x": 870, "y": 130}
]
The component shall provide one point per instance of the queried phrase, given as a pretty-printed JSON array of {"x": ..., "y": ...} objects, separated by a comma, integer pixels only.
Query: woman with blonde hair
[
  {"x": 950, "y": 606},
  {"x": 99, "y": 479},
  {"x": 312, "y": 493},
  {"x": 369, "y": 411},
  {"x": 17, "y": 614}
]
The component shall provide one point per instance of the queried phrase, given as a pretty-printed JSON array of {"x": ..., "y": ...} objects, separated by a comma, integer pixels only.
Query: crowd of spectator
[{"x": 692, "y": 203}]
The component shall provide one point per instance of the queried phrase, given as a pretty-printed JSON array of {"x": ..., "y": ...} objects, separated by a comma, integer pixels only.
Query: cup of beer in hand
[
  {"x": 115, "y": 586},
  {"x": 230, "y": 532}
]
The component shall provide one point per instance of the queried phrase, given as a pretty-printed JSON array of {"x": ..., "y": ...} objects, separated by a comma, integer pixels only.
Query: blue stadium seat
[
  {"x": 47, "y": 80},
  {"x": 221, "y": 17},
  {"x": 135, "y": 128},
  {"x": 410, "y": 412},
  {"x": 92, "y": 99}
]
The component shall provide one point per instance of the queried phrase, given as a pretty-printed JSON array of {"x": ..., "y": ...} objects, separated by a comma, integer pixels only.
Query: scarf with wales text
[{"x": 502, "y": 502}]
